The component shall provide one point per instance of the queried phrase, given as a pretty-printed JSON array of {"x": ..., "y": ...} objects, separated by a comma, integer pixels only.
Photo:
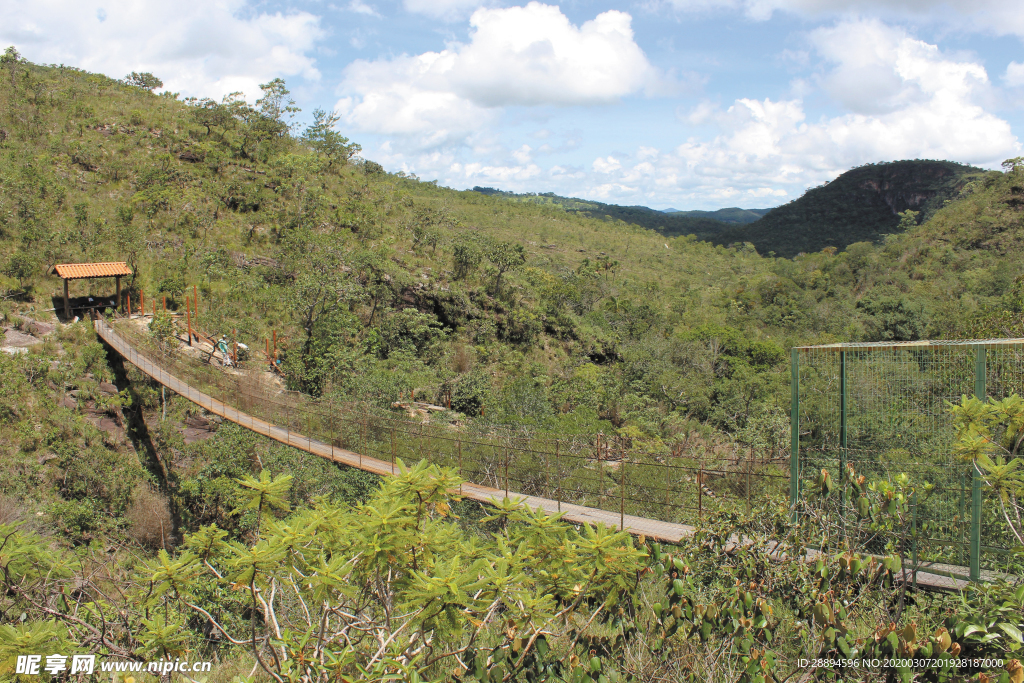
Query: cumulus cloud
[
  {"x": 767, "y": 151},
  {"x": 197, "y": 47},
  {"x": 999, "y": 16},
  {"x": 525, "y": 56}
]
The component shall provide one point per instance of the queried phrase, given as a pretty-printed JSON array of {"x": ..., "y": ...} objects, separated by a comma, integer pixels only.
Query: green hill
[
  {"x": 860, "y": 205},
  {"x": 729, "y": 215},
  {"x": 670, "y": 224}
]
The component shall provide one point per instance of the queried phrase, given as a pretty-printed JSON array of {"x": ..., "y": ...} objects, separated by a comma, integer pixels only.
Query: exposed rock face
[{"x": 16, "y": 339}]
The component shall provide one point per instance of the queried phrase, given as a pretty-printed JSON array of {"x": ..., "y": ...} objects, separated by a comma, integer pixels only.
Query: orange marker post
[
  {"x": 129, "y": 298},
  {"x": 165, "y": 303},
  {"x": 188, "y": 319}
]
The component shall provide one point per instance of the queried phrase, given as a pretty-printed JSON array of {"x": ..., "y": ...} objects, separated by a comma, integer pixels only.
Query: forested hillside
[
  {"x": 862, "y": 205},
  {"x": 532, "y": 318},
  {"x": 671, "y": 223}
]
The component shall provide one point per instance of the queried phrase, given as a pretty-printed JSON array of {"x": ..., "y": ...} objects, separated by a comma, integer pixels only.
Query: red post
[
  {"x": 165, "y": 302},
  {"x": 275, "y": 345},
  {"x": 188, "y": 319},
  {"x": 129, "y": 298}
]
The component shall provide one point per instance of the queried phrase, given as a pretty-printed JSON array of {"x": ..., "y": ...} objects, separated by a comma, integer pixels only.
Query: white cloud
[
  {"x": 360, "y": 7},
  {"x": 197, "y": 47},
  {"x": 445, "y": 9},
  {"x": 606, "y": 165},
  {"x": 524, "y": 56},
  {"x": 766, "y": 151},
  {"x": 1014, "y": 75},
  {"x": 998, "y": 16}
]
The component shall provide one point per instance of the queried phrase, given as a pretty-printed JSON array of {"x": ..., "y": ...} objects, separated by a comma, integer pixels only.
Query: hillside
[
  {"x": 861, "y": 205},
  {"x": 672, "y": 224},
  {"x": 731, "y": 214}
]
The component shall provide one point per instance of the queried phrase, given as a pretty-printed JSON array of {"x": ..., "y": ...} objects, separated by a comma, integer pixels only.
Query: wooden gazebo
[{"x": 89, "y": 271}]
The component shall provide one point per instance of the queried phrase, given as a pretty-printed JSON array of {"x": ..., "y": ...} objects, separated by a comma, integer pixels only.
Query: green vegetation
[
  {"x": 128, "y": 513},
  {"x": 861, "y": 205},
  {"x": 730, "y": 215}
]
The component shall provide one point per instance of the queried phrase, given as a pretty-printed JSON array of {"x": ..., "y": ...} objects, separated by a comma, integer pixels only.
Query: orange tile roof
[{"x": 78, "y": 271}]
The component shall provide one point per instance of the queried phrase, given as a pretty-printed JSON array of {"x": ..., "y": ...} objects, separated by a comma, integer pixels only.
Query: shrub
[{"x": 150, "y": 518}]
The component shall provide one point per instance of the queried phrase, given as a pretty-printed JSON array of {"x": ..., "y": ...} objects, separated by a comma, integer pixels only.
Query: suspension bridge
[{"x": 928, "y": 575}]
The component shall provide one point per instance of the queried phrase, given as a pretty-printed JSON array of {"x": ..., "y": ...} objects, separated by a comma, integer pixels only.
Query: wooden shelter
[{"x": 89, "y": 271}]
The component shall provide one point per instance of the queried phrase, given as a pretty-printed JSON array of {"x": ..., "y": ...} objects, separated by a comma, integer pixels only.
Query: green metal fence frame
[{"x": 980, "y": 391}]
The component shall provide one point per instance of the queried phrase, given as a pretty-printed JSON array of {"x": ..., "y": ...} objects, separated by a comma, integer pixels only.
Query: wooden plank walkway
[{"x": 932, "y": 575}]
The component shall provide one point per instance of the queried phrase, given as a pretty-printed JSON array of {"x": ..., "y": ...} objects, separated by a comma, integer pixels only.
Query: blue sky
[{"x": 693, "y": 104}]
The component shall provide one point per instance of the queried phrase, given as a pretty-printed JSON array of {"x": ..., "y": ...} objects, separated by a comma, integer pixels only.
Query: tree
[
  {"x": 1009, "y": 166},
  {"x": 327, "y": 142},
  {"x": 208, "y": 114},
  {"x": 908, "y": 220},
  {"x": 275, "y": 103},
  {"x": 144, "y": 80},
  {"x": 505, "y": 257},
  {"x": 11, "y": 59},
  {"x": 21, "y": 267},
  {"x": 990, "y": 435},
  {"x": 465, "y": 259},
  {"x": 259, "y": 125}
]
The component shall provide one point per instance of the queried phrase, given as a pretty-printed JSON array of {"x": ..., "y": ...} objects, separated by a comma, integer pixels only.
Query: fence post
[
  {"x": 980, "y": 391},
  {"x": 913, "y": 501},
  {"x": 547, "y": 474},
  {"x": 461, "y": 476},
  {"x": 622, "y": 490},
  {"x": 668, "y": 479},
  {"x": 843, "y": 404},
  {"x": 559, "y": 468},
  {"x": 750, "y": 466},
  {"x": 700, "y": 492},
  {"x": 794, "y": 425},
  {"x": 600, "y": 474}
]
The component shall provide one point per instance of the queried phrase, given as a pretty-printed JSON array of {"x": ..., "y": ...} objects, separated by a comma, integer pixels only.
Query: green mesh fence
[{"x": 884, "y": 409}]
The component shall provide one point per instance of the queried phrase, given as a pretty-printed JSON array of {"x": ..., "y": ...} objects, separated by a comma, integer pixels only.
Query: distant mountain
[
  {"x": 732, "y": 214},
  {"x": 861, "y": 205},
  {"x": 671, "y": 224}
]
